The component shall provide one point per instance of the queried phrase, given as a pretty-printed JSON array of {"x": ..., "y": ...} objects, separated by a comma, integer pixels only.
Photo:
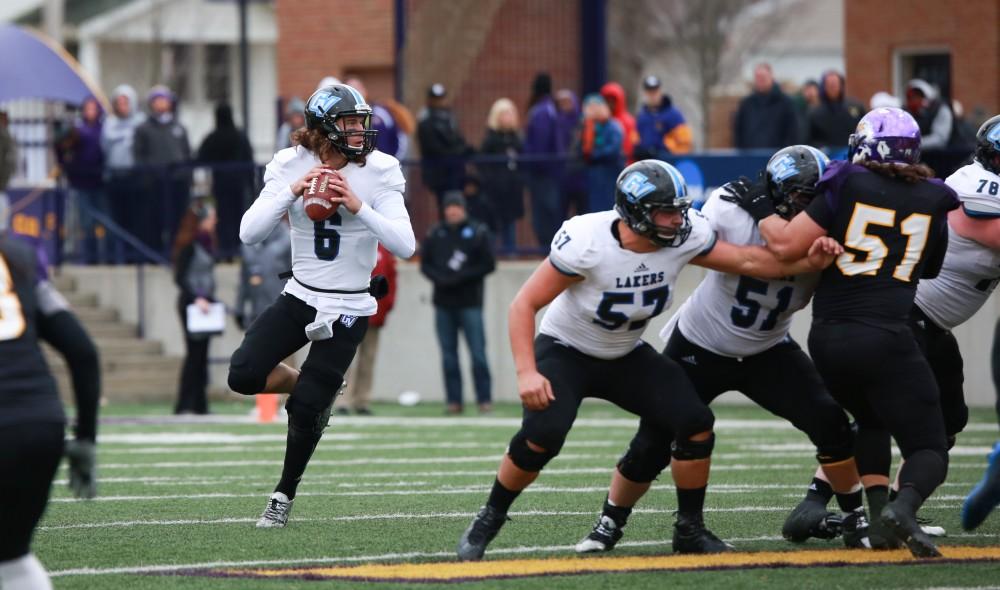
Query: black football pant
[
  {"x": 29, "y": 456},
  {"x": 945, "y": 360},
  {"x": 782, "y": 380},
  {"x": 880, "y": 376}
]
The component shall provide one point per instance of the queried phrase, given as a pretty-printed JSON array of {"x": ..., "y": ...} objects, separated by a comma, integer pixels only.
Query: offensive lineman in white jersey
[
  {"x": 732, "y": 335},
  {"x": 607, "y": 274},
  {"x": 328, "y": 299}
]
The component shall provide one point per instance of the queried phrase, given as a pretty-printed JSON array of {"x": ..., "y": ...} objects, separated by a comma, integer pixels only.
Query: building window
[
  {"x": 931, "y": 65},
  {"x": 177, "y": 69},
  {"x": 217, "y": 68}
]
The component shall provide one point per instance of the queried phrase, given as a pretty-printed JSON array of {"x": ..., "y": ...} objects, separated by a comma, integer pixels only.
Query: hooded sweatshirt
[
  {"x": 615, "y": 95},
  {"x": 118, "y": 133},
  {"x": 80, "y": 154}
]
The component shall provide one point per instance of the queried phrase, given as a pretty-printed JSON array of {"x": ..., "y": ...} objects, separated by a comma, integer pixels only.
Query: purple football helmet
[{"x": 885, "y": 135}]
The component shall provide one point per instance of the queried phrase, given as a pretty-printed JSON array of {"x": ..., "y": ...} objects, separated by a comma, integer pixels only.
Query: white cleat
[
  {"x": 276, "y": 513},
  {"x": 603, "y": 537},
  {"x": 933, "y": 531}
]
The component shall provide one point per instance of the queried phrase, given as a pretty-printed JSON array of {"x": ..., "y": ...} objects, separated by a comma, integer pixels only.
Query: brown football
[{"x": 317, "y": 195}]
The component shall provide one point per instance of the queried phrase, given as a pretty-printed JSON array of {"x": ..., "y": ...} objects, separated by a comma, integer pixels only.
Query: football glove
[
  {"x": 752, "y": 196},
  {"x": 82, "y": 456}
]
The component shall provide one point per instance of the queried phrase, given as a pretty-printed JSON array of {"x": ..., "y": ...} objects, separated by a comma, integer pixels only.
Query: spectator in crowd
[
  {"x": 228, "y": 149},
  {"x": 442, "y": 147},
  {"x": 295, "y": 118},
  {"x": 456, "y": 256},
  {"x": 260, "y": 265},
  {"x": 573, "y": 185},
  {"x": 80, "y": 156},
  {"x": 501, "y": 178},
  {"x": 478, "y": 204},
  {"x": 883, "y": 99},
  {"x": 121, "y": 183},
  {"x": 387, "y": 140},
  {"x": 8, "y": 153},
  {"x": 836, "y": 117},
  {"x": 963, "y": 132},
  {"x": 804, "y": 101},
  {"x": 194, "y": 274},
  {"x": 934, "y": 116},
  {"x": 358, "y": 389},
  {"x": 766, "y": 117},
  {"x": 406, "y": 125},
  {"x": 160, "y": 143},
  {"x": 614, "y": 96},
  {"x": 600, "y": 146},
  {"x": 543, "y": 169},
  {"x": 662, "y": 129}
]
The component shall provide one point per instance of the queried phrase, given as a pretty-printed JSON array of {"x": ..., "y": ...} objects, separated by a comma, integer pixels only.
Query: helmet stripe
[
  {"x": 675, "y": 177},
  {"x": 821, "y": 159},
  {"x": 358, "y": 99}
]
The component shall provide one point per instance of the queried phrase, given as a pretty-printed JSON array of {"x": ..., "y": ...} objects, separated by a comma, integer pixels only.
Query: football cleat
[
  {"x": 855, "y": 530},
  {"x": 276, "y": 513},
  {"x": 691, "y": 536},
  {"x": 930, "y": 529},
  {"x": 985, "y": 496},
  {"x": 482, "y": 530},
  {"x": 603, "y": 538},
  {"x": 811, "y": 519},
  {"x": 904, "y": 526}
]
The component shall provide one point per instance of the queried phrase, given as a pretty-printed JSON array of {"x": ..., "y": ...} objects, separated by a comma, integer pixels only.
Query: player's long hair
[
  {"x": 187, "y": 230},
  {"x": 316, "y": 141},
  {"x": 909, "y": 173}
]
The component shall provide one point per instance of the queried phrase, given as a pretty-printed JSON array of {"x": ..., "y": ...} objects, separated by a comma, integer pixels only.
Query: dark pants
[
  {"x": 880, "y": 376},
  {"x": 942, "y": 353},
  {"x": 123, "y": 196},
  {"x": 29, "y": 456},
  {"x": 782, "y": 380},
  {"x": 91, "y": 244},
  {"x": 448, "y": 322},
  {"x": 996, "y": 365},
  {"x": 547, "y": 210},
  {"x": 192, "y": 394}
]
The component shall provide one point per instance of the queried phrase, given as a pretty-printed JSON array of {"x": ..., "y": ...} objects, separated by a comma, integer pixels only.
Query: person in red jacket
[
  {"x": 358, "y": 389},
  {"x": 614, "y": 94}
]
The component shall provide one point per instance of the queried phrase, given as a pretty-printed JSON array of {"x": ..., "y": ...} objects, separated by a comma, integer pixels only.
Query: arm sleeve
[
  {"x": 266, "y": 211},
  {"x": 180, "y": 273},
  {"x": 573, "y": 252},
  {"x": 388, "y": 219},
  {"x": 243, "y": 290},
  {"x": 66, "y": 334}
]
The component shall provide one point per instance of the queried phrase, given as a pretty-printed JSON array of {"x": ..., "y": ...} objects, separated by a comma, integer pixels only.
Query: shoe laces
[
  {"x": 488, "y": 520},
  {"x": 605, "y": 527},
  {"x": 275, "y": 509}
]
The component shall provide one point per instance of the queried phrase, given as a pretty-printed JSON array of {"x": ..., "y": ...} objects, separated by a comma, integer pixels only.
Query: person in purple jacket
[
  {"x": 82, "y": 160},
  {"x": 543, "y": 148}
]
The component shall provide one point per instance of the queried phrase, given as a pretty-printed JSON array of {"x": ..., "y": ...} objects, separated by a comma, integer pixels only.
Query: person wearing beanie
[{"x": 295, "y": 118}]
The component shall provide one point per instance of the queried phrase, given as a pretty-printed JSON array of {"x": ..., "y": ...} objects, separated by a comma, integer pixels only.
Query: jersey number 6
[{"x": 326, "y": 240}]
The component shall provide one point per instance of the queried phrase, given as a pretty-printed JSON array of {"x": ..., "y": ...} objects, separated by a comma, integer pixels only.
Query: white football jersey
[
  {"x": 735, "y": 315},
  {"x": 338, "y": 253},
  {"x": 604, "y": 314},
  {"x": 970, "y": 271}
]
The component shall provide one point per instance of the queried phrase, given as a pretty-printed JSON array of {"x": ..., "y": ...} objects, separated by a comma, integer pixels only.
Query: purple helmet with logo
[{"x": 885, "y": 135}]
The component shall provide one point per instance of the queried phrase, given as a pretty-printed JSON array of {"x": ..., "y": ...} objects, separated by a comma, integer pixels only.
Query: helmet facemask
[
  {"x": 341, "y": 138},
  {"x": 640, "y": 219}
]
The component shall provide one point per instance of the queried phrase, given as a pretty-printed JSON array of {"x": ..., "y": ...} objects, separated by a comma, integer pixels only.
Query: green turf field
[{"x": 178, "y": 502}]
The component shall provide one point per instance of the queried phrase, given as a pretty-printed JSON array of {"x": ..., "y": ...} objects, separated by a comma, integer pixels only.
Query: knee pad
[
  {"x": 527, "y": 459},
  {"x": 692, "y": 450},
  {"x": 643, "y": 465},
  {"x": 699, "y": 419},
  {"x": 307, "y": 422},
  {"x": 839, "y": 447},
  {"x": 242, "y": 378}
]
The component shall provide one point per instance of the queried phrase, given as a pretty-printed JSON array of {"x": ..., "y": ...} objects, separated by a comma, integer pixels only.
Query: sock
[
  {"x": 501, "y": 498},
  {"x": 819, "y": 491},
  {"x": 690, "y": 501},
  {"x": 298, "y": 450},
  {"x": 909, "y": 498},
  {"x": 619, "y": 514},
  {"x": 24, "y": 572},
  {"x": 851, "y": 501},
  {"x": 878, "y": 497}
]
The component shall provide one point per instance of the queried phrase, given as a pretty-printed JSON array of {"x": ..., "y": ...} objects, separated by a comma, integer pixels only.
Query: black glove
[
  {"x": 82, "y": 456},
  {"x": 378, "y": 287},
  {"x": 752, "y": 196}
]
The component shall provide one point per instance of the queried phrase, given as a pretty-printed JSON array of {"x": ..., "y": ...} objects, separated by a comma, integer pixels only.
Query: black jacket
[
  {"x": 442, "y": 149},
  {"x": 766, "y": 121},
  {"x": 456, "y": 259}
]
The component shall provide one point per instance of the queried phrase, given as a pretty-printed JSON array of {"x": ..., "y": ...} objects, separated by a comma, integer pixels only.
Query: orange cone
[{"x": 267, "y": 407}]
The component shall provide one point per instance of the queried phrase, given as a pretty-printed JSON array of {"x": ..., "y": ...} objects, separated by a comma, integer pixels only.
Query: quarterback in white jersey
[
  {"x": 607, "y": 274},
  {"x": 330, "y": 296}
]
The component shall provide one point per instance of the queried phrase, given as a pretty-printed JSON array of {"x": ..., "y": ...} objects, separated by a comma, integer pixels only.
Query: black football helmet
[
  {"x": 988, "y": 144},
  {"x": 792, "y": 174},
  {"x": 328, "y": 105},
  {"x": 646, "y": 186}
]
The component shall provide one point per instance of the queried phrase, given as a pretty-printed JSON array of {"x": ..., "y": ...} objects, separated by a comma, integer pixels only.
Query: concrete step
[
  {"x": 148, "y": 389},
  {"x": 78, "y": 300},
  {"x": 123, "y": 346},
  {"x": 64, "y": 283},
  {"x": 113, "y": 363},
  {"x": 104, "y": 330},
  {"x": 91, "y": 315}
]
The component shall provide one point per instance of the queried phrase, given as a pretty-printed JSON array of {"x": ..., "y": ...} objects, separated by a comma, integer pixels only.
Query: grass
[{"x": 402, "y": 486}]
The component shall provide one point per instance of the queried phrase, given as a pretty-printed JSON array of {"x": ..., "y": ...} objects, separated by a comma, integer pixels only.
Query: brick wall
[{"x": 970, "y": 29}]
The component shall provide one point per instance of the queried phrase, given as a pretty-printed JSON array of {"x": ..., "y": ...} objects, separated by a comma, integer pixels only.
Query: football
[{"x": 316, "y": 198}]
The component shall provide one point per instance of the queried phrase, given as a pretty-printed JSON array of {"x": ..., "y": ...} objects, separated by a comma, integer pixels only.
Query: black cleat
[
  {"x": 602, "y": 538},
  {"x": 486, "y": 525},
  {"x": 810, "y": 519},
  {"x": 691, "y": 536},
  {"x": 855, "y": 530},
  {"x": 904, "y": 526}
]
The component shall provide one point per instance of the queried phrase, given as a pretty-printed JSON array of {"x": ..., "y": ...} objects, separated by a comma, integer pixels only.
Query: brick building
[{"x": 954, "y": 44}]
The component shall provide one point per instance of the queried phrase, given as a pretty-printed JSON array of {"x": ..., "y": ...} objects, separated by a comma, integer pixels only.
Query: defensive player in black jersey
[{"x": 891, "y": 216}]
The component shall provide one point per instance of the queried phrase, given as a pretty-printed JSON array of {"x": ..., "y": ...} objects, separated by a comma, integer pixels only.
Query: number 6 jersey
[
  {"x": 604, "y": 315},
  {"x": 735, "y": 315}
]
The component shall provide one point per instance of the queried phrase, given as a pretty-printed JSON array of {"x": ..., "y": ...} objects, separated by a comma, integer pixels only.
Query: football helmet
[
  {"x": 888, "y": 135},
  {"x": 325, "y": 109},
  {"x": 792, "y": 174},
  {"x": 643, "y": 188},
  {"x": 988, "y": 144}
]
